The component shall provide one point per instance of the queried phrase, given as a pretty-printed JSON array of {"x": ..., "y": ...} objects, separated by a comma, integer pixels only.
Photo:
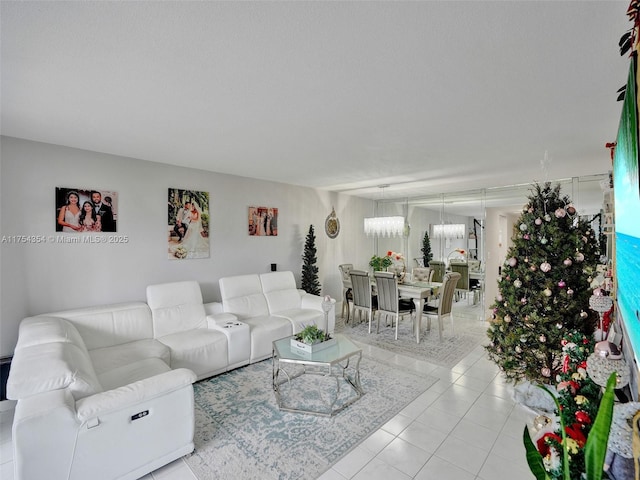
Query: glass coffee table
[{"x": 311, "y": 382}]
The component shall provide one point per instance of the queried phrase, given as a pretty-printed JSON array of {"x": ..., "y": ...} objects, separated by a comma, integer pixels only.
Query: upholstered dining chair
[
  {"x": 363, "y": 300},
  {"x": 445, "y": 303},
  {"x": 422, "y": 274},
  {"x": 438, "y": 270},
  {"x": 345, "y": 268},
  {"x": 388, "y": 301},
  {"x": 463, "y": 286}
]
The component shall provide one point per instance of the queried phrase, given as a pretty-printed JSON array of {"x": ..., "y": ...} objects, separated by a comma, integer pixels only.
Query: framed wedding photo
[
  {"x": 263, "y": 221},
  {"x": 81, "y": 210},
  {"x": 188, "y": 224}
]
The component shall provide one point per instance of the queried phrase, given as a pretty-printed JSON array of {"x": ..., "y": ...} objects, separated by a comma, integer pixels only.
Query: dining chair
[
  {"x": 347, "y": 295},
  {"x": 388, "y": 300},
  {"x": 438, "y": 270},
  {"x": 363, "y": 299},
  {"x": 463, "y": 285},
  {"x": 445, "y": 304},
  {"x": 419, "y": 261},
  {"x": 422, "y": 274}
]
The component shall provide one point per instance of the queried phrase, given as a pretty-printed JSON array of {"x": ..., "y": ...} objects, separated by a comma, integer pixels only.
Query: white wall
[{"x": 50, "y": 276}]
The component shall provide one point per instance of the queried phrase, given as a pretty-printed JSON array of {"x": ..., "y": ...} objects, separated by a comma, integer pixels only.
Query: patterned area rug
[
  {"x": 468, "y": 334},
  {"x": 241, "y": 433}
]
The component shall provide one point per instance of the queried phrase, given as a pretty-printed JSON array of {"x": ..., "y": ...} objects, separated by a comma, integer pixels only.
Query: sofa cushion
[
  {"x": 52, "y": 366},
  {"x": 242, "y": 295},
  {"x": 264, "y": 331},
  {"x": 204, "y": 351},
  {"x": 176, "y": 307},
  {"x": 133, "y": 372},
  {"x": 280, "y": 290},
  {"x": 108, "y": 325},
  {"x": 45, "y": 329},
  {"x": 108, "y": 358}
]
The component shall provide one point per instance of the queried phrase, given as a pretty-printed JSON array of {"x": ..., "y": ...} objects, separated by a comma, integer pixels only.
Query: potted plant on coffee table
[{"x": 312, "y": 339}]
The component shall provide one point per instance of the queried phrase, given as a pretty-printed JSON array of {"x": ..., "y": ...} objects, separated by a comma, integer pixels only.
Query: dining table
[{"x": 419, "y": 292}]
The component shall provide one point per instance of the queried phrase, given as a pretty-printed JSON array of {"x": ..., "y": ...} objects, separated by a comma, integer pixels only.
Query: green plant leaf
[
  {"x": 534, "y": 459},
  {"x": 596, "y": 447}
]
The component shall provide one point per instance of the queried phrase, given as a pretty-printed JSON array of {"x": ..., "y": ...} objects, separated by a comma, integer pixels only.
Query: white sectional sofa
[
  {"x": 106, "y": 392},
  {"x": 271, "y": 306},
  {"x": 97, "y": 397}
]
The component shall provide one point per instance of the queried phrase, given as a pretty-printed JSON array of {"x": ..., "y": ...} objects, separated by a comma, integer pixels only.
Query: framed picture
[
  {"x": 188, "y": 223},
  {"x": 263, "y": 221},
  {"x": 80, "y": 210}
]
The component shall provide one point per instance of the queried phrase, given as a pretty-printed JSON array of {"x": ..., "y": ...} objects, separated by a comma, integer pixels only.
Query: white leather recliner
[{"x": 180, "y": 322}]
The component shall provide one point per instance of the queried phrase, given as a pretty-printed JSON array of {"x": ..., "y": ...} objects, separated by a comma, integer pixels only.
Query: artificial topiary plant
[
  {"x": 427, "y": 256},
  {"x": 310, "y": 282}
]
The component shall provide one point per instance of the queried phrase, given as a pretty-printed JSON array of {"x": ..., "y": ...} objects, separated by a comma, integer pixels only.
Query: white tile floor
[{"x": 465, "y": 427}]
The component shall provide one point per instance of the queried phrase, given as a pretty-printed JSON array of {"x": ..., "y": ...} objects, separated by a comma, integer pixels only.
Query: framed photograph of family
[
  {"x": 263, "y": 221},
  {"x": 80, "y": 210},
  {"x": 188, "y": 223}
]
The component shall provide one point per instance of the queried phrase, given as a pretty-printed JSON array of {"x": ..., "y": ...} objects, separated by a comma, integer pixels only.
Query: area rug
[
  {"x": 468, "y": 333},
  {"x": 241, "y": 433}
]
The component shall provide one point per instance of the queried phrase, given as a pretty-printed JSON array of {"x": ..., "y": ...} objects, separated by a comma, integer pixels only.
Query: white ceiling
[{"x": 426, "y": 96}]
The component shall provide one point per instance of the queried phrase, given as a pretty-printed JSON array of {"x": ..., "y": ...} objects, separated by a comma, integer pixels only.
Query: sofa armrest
[
  {"x": 218, "y": 321},
  {"x": 45, "y": 428},
  {"x": 136, "y": 392},
  {"x": 314, "y": 302}
]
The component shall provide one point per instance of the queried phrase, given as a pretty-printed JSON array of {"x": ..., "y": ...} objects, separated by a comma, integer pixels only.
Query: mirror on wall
[{"x": 487, "y": 216}]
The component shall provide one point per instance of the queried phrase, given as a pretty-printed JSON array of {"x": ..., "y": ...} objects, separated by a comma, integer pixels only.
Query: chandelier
[
  {"x": 393, "y": 226},
  {"x": 384, "y": 226},
  {"x": 455, "y": 230}
]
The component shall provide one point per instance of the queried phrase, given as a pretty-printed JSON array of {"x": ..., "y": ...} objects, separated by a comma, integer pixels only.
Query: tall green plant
[
  {"x": 427, "y": 256},
  {"x": 595, "y": 448},
  {"x": 310, "y": 282}
]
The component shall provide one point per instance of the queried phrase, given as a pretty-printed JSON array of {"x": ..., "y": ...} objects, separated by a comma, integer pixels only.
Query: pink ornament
[
  {"x": 570, "y": 292},
  {"x": 546, "y": 372},
  {"x": 533, "y": 268},
  {"x": 579, "y": 257},
  {"x": 568, "y": 262},
  {"x": 545, "y": 267},
  {"x": 499, "y": 297},
  {"x": 538, "y": 221},
  {"x": 597, "y": 292},
  {"x": 560, "y": 212},
  {"x": 513, "y": 261},
  {"x": 526, "y": 236},
  {"x": 542, "y": 338},
  {"x": 523, "y": 300},
  {"x": 561, "y": 284}
]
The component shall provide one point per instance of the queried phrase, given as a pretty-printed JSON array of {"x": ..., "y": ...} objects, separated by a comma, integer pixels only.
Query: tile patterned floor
[{"x": 465, "y": 427}]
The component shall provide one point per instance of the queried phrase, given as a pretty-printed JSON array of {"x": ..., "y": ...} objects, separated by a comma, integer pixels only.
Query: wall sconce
[{"x": 455, "y": 230}]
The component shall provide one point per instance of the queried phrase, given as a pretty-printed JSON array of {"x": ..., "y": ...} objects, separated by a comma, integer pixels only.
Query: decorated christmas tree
[
  {"x": 310, "y": 282},
  {"x": 543, "y": 289}
]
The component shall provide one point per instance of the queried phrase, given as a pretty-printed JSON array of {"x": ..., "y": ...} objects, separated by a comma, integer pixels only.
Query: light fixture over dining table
[{"x": 393, "y": 226}]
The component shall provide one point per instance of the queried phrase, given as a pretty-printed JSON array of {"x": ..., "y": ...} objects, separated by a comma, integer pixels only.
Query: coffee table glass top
[{"x": 343, "y": 348}]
